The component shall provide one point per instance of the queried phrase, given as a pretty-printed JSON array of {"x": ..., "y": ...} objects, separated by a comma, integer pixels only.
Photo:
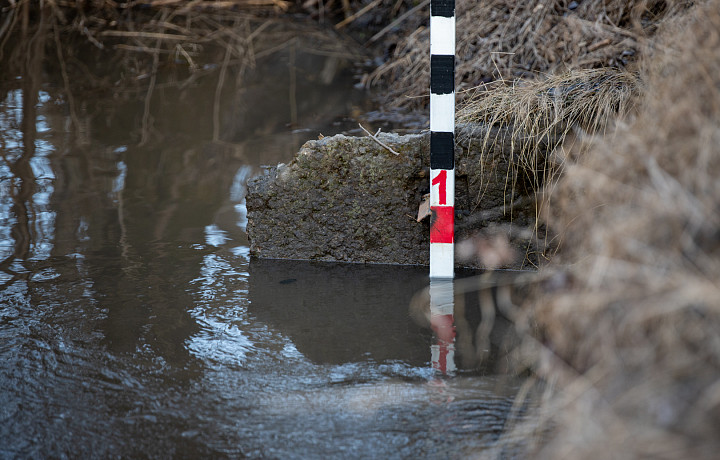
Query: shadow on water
[
  {"x": 132, "y": 323},
  {"x": 341, "y": 313},
  {"x": 384, "y": 314}
]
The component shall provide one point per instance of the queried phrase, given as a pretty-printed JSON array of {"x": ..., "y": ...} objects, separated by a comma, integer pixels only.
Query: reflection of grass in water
[{"x": 159, "y": 44}]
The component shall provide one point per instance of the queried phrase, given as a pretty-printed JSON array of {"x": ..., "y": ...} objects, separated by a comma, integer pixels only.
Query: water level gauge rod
[{"x": 442, "y": 138}]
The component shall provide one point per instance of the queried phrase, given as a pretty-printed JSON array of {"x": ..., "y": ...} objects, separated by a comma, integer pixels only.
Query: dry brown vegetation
[
  {"x": 543, "y": 115},
  {"x": 629, "y": 315},
  {"x": 506, "y": 40}
]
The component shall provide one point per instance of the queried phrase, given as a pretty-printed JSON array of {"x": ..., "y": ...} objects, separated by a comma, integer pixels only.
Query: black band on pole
[
  {"x": 444, "y": 8},
  {"x": 442, "y": 146},
  {"x": 442, "y": 74}
]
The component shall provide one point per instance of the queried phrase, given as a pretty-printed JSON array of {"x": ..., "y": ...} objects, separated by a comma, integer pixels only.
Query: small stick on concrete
[{"x": 374, "y": 137}]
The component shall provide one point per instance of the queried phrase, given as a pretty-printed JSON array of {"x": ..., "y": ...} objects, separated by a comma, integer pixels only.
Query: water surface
[{"x": 133, "y": 324}]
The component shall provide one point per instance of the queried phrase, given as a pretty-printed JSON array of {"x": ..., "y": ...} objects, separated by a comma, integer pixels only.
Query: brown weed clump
[
  {"x": 540, "y": 116},
  {"x": 631, "y": 326},
  {"x": 508, "y": 40}
]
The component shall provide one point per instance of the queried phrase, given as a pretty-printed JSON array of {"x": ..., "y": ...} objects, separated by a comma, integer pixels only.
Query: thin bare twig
[
  {"x": 356, "y": 15},
  {"x": 374, "y": 137},
  {"x": 402, "y": 17}
]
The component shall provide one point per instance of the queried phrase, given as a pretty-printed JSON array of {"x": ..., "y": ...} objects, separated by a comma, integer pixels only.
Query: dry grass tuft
[
  {"x": 507, "y": 40},
  {"x": 538, "y": 116},
  {"x": 631, "y": 331}
]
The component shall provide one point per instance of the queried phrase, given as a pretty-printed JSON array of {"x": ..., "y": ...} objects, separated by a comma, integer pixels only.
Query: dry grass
[
  {"x": 540, "y": 122},
  {"x": 539, "y": 115},
  {"x": 507, "y": 40},
  {"x": 631, "y": 323},
  {"x": 548, "y": 109}
]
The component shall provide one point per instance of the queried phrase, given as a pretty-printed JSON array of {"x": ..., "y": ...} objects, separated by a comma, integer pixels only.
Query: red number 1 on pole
[{"x": 441, "y": 180}]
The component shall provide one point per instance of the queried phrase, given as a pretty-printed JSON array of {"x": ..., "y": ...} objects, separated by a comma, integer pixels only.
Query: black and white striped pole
[
  {"x": 442, "y": 138},
  {"x": 442, "y": 183}
]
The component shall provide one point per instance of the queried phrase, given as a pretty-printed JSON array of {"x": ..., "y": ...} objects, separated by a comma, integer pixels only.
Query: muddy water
[{"x": 133, "y": 324}]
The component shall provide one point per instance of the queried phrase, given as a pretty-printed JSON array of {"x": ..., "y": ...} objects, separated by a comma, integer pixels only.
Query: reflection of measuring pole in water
[
  {"x": 442, "y": 138},
  {"x": 442, "y": 351},
  {"x": 442, "y": 182}
]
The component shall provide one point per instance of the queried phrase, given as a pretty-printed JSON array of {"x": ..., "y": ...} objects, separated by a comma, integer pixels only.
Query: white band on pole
[
  {"x": 441, "y": 260},
  {"x": 442, "y": 112},
  {"x": 442, "y": 35}
]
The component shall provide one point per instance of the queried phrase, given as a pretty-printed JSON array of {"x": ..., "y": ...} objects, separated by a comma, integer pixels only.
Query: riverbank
[{"x": 627, "y": 316}]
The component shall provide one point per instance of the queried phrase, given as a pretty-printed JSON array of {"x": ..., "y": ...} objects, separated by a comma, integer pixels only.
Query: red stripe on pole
[
  {"x": 442, "y": 362},
  {"x": 442, "y": 224}
]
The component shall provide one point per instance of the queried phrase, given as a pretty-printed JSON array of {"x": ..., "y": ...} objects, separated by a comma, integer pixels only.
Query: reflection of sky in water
[
  {"x": 44, "y": 229},
  {"x": 81, "y": 233},
  {"x": 214, "y": 236},
  {"x": 43, "y": 97},
  {"x": 241, "y": 251},
  {"x": 220, "y": 311},
  {"x": 41, "y": 122},
  {"x": 42, "y": 218},
  {"x": 119, "y": 182},
  {"x": 10, "y": 119},
  {"x": 239, "y": 184},
  {"x": 238, "y": 191},
  {"x": 10, "y": 142},
  {"x": 6, "y": 219}
]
